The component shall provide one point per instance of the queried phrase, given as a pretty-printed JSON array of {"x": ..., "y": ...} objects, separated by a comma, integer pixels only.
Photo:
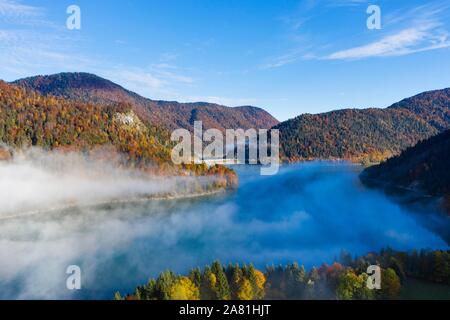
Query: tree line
[{"x": 345, "y": 279}]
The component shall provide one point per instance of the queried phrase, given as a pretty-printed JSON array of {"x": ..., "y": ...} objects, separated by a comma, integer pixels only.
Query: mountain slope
[
  {"x": 432, "y": 106},
  {"x": 86, "y": 87},
  {"x": 365, "y": 135},
  {"x": 423, "y": 167},
  {"x": 28, "y": 118}
]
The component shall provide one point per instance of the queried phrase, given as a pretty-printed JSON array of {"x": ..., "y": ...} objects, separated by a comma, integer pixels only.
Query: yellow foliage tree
[
  {"x": 213, "y": 280},
  {"x": 246, "y": 291},
  {"x": 260, "y": 280},
  {"x": 184, "y": 289}
]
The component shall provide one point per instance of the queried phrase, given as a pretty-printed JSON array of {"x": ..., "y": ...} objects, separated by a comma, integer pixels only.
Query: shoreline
[{"x": 114, "y": 201}]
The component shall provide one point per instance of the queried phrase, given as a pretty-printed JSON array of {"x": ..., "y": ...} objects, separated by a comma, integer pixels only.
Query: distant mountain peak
[
  {"x": 59, "y": 83},
  {"x": 433, "y": 106},
  {"x": 87, "y": 87},
  {"x": 368, "y": 135}
]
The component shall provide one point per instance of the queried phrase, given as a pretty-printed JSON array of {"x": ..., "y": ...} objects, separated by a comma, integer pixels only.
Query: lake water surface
[{"x": 306, "y": 213}]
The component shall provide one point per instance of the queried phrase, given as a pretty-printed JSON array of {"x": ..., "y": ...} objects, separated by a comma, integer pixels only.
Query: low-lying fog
[
  {"x": 306, "y": 213},
  {"x": 36, "y": 181}
]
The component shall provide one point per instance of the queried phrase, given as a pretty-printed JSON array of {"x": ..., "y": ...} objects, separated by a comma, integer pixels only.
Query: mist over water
[
  {"x": 307, "y": 213},
  {"x": 36, "y": 181}
]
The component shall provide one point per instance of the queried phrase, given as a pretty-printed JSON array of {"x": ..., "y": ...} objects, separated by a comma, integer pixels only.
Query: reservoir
[{"x": 307, "y": 213}]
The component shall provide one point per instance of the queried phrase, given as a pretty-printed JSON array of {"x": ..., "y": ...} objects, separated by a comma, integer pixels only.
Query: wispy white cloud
[
  {"x": 15, "y": 9},
  {"x": 136, "y": 78},
  {"x": 27, "y": 52},
  {"x": 50, "y": 48},
  {"x": 168, "y": 56},
  {"x": 282, "y": 60},
  {"x": 407, "y": 41},
  {"x": 170, "y": 72},
  {"x": 290, "y": 57},
  {"x": 418, "y": 29},
  {"x": 405, "y": 31},
  {"x": 431, "y": 11},
  {"x": 30, "y": 43},
  {"x": 156, "y": 81},
  {"x": 345, "y": 3}
]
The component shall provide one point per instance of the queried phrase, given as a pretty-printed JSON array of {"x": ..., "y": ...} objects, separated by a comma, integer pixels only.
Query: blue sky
[{"x": 289, "y": 57}]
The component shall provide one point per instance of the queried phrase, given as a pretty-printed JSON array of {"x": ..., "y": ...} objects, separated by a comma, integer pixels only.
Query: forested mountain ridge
[
  {"x": 351, "y": 134},
  {"x": 432, "y": 106},
  {"x": 360, "y": 135},
  {"x": 29, "y": 119},
  {"x": 423, "y": 167},
  {"x": 370, "y": 135},
  {"x": 90, "y": 88}
]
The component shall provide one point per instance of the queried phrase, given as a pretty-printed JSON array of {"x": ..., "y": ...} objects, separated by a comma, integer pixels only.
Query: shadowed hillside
[{"x": 423, "y": 167}]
